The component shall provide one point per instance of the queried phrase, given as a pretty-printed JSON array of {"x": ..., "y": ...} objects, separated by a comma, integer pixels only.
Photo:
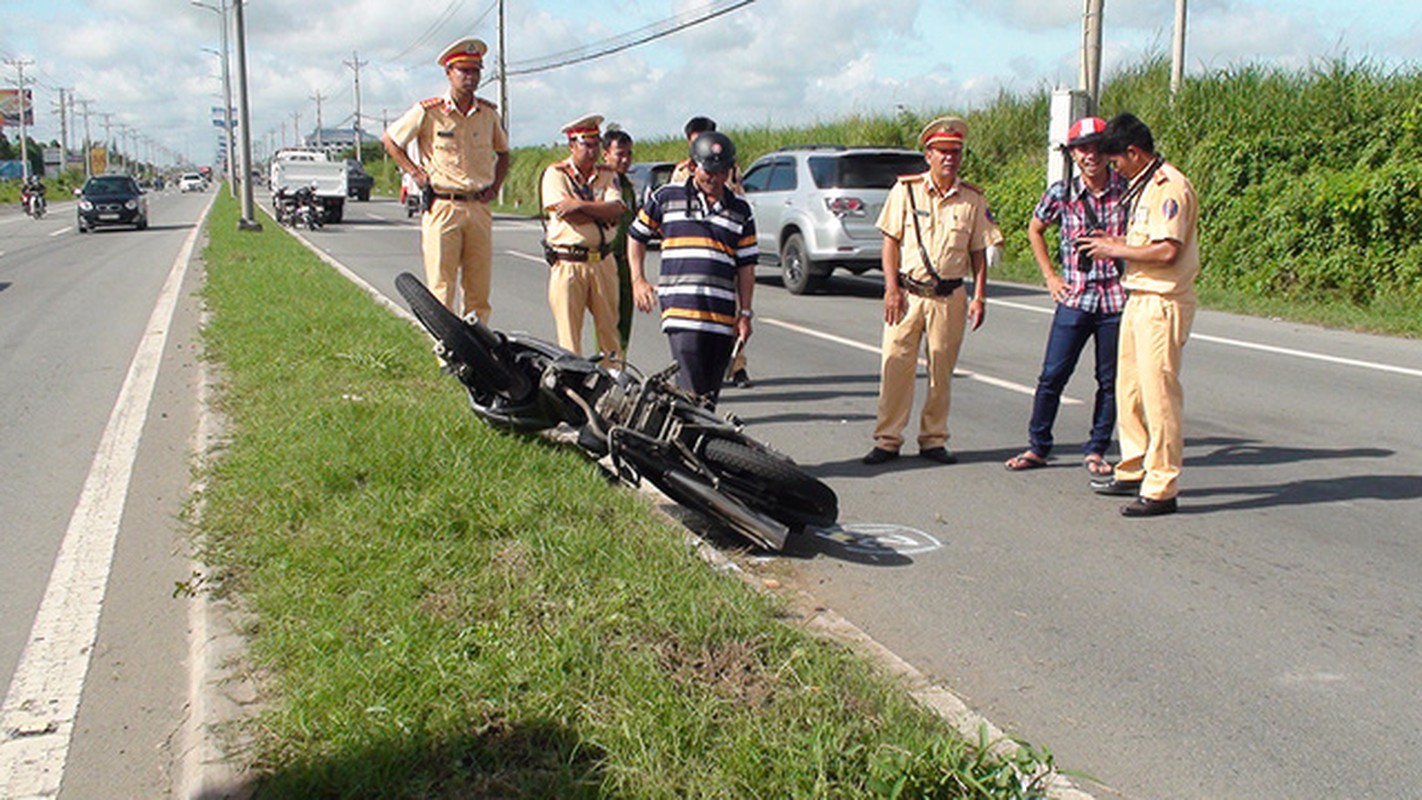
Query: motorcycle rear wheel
[{"x": 772, "y": 483}]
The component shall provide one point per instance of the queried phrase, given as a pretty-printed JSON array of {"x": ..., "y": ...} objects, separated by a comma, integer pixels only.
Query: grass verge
[{"x": 440, "y": 610}]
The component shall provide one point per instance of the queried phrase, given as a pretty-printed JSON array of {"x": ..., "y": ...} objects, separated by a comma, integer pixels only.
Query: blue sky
[{"x": 775, "y": 62}]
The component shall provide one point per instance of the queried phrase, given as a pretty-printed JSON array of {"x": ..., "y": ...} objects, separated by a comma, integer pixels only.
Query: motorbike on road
[
  {"x": 33, "y": 202},
  {"x": 641, "y": 427},
  {"x": 299, "y": 209}
]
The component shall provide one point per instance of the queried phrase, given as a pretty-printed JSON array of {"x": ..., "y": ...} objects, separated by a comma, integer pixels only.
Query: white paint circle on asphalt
[{"x": 876, "y": 537}]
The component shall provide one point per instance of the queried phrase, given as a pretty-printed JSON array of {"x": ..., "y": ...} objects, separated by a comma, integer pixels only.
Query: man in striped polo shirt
[{"x": 708, "y": 265}]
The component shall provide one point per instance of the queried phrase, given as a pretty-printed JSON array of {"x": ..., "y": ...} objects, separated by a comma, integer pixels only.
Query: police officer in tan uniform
[
  {"x": 1162, "y": 253},
  {"x": 583, "y": 201},
  {"x": 463, "y": 159},
  {"x": 937, "y": 230}
]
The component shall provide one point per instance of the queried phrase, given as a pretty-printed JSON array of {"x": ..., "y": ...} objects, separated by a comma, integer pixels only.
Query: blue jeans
[{"x": 1071, "y": 328}]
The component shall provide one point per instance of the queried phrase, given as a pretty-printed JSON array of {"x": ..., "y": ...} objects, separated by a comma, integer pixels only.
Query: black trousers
[{"x": 703, "y": 358}]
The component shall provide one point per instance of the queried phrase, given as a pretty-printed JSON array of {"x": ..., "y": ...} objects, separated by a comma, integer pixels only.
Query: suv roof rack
[{"x": 812, "y": 147}]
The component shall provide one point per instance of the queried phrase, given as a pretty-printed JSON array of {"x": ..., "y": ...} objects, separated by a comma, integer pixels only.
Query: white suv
[{"x": 815, "y": 207}]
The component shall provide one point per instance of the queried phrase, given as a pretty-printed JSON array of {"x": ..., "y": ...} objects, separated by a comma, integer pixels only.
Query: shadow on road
[
  {"x": 1310, "y": 491},
  {"x": 1229, "y": 452}
]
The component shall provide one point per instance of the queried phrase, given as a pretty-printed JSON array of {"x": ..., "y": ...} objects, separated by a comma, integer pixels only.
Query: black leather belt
[
  {"x": 943, "y": 287},
  {"x": 575, "y": 253},
  {"x": 463, "y": 198}
]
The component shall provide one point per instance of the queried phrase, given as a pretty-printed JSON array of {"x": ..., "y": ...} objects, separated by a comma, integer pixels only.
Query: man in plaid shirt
[{"x": 1088, "y": 294}]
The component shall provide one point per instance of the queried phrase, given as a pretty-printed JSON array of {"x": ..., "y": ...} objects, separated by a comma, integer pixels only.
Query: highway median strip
[{"x": 442, "y": 610}]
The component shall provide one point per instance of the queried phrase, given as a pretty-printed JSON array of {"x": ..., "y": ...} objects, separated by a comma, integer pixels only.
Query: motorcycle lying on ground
[{"x": 646, "y": 428}]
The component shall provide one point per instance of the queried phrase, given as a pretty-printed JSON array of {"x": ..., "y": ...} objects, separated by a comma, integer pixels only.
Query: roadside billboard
[{"x": 10, "y": 107}]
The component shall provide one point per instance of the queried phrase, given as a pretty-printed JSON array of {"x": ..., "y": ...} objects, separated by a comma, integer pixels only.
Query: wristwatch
[{"x": 747, "y": 313}]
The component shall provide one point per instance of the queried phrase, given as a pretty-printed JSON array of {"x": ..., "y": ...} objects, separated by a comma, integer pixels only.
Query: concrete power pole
[
  {"x": 320, "y": 142},
  {"x": 1177, "y": 53},
  {"x": 88, "y": 143},
  {"x": 62, "y": 109},
  {"x": 1091, "y": 53},
  {"x": 355, "y": 64},
  {"x": 503, "y": 83}
]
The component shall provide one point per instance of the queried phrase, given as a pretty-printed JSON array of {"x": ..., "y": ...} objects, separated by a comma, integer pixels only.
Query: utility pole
[
  {"x": 1091, "y": 53},
  {"x": 355, "y": 64},
  {"x": 320, "y": 142},
  {"x": 503, "y": 83},
  {"x": 1177, "y": 53},
  {"x": 19, "y": 64},
  {"x": 108, "y": 139},
  {"x": 248, "y": 221},
  {"x": 62, "y": 109},
  {"x": 296, "y": 129},
  {"x": 88, "y": 143},
  {"x": 221, "y": 11}
]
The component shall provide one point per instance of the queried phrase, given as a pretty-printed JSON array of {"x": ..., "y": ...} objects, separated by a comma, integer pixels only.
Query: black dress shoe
[
  {"x": 879, "y": 455},
  {"x": 1148, "y": 507},
  {"x": 1116, "y": 488},
  {"x": 939, "y": 454}
]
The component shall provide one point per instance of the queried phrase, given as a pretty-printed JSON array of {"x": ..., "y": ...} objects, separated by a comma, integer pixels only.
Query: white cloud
[{"x": 776, "y": 62}]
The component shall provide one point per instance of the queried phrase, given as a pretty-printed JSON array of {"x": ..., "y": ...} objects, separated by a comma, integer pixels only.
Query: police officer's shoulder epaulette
[
  {"x": 1160, "y": 176},
  {"x": 914, "y": 178},
  {"x": 605, "y": 168},
  {"x": 486, "y": 103},
  {"x": 972, "y": 187},
  {"x": 431, "y": 102}
]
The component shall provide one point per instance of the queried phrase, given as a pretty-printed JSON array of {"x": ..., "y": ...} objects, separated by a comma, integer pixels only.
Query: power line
[{"x": 626, "y": 41}]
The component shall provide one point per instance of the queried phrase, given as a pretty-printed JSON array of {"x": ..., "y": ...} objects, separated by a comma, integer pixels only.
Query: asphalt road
[
  {"x": 74, "y": 311},
  {"x": 1260, "y": 643}
]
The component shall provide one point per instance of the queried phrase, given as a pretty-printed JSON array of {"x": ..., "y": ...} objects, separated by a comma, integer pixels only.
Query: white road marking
[
  {"x": 1001, "y": 383},
  {"x": 1266, "y": 348},
  {"x": 525, "y": 256},
  {"x": 62, "y": 231},
  {"x": 37, "y": 718}
]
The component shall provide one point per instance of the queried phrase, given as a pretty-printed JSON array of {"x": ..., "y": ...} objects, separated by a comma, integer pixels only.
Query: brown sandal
[{"x": 1024, "y": 461}]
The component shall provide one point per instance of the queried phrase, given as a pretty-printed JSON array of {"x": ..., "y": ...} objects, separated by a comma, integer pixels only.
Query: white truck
[{"x": 294, "y": 168}]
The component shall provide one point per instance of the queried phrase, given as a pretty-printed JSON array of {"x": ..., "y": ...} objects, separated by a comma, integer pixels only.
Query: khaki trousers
[
  {"x": 457, "y": 237},
  {"x": 576, "y": 287},
  {"x": 936, "y": 322},
  {"x": 1149, "y": 400}
]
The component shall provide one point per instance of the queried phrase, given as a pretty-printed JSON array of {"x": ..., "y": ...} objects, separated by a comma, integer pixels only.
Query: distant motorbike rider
[{"x": 33, "y": 187}]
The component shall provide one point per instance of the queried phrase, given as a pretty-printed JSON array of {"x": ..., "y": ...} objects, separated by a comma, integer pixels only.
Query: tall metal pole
[
  {"x": 503, "y": 83},
  {"x": 88, "y": 143},
  {"x": 320, "y": 143},
  {"x": 248, "y": 222},
  {"x": 1091, "y": 53},
  {"x": 1177, "y": 53},
  {"x": 355, "y": 63},
  {"x": 221, "y": 11}
]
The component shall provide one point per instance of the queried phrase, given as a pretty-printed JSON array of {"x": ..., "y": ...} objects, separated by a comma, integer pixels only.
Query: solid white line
[
  {"x": 37, "y": 718},
  {"x": 525, "y": 256},
  {"x": 1265, "y": 348},
  {"x": 961, "y": 373},
  {"x": 62, "y": 231},
  {"x": 1284, "y": 351}
]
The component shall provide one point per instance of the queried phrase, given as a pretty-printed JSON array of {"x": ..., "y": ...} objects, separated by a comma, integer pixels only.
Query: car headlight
[
  {"x": 131, "y": 205},
  {"x": 85, "y": 205}
]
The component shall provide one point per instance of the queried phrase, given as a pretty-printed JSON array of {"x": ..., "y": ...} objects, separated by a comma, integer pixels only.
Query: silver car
[{"x": 815, "y": 207}]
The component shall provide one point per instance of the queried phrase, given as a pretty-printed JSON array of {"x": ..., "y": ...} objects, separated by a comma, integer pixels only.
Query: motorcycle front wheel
[{"x": 459, "y": 340}]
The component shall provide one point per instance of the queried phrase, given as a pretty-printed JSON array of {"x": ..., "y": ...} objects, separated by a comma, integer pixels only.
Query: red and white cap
[{"x": 1087, "y": 130}]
